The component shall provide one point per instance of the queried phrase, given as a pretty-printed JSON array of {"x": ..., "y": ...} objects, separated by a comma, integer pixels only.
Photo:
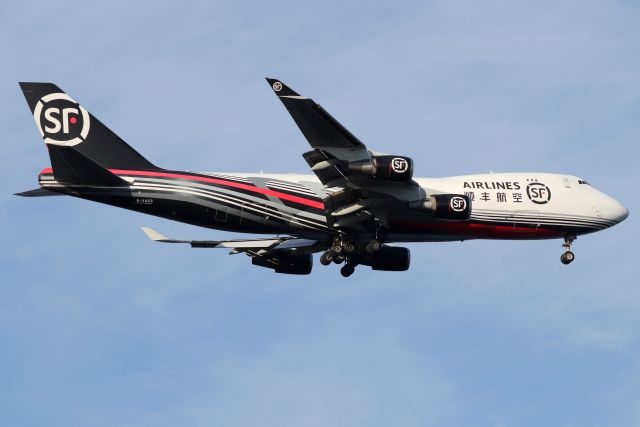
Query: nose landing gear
[{"x": 567, "y": 257}]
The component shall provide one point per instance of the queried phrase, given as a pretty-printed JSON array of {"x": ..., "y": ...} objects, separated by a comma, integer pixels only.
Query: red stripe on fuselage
[{"x": 278, "y": 194}]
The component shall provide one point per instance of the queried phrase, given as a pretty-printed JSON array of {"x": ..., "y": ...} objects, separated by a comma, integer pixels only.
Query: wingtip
[
  {"x": 153, "y": 234},
  {"x": 280, "y": 88}
]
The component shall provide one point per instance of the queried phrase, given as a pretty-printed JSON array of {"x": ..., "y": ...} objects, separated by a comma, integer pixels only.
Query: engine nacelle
[
  {"x": 455, "y": 207},
  {"x": 387, "y": 258},
  {"x": 286, "y": 262},
  {"x": 388, "y": 168}
]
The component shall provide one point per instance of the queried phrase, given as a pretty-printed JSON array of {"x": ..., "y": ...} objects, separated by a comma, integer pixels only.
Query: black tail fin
[{"x": 64, "y": 123}]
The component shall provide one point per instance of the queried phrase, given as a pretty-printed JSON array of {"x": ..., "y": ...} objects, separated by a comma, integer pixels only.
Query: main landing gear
[
  {"x": 567, "y": 257},
  {"x": 348, "y": 269},
  {"x": 344, "y": 251}
]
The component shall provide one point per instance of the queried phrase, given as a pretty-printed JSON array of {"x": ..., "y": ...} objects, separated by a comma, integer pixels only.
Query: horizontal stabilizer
[{"x": 39, "y": 192}]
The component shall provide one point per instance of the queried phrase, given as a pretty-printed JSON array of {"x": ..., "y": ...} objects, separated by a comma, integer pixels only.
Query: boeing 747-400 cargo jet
[{"x": 355, "y": 204}]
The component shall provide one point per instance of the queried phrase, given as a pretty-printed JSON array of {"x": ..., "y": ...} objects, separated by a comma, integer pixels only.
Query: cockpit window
[{"x": 582, "y": 181}]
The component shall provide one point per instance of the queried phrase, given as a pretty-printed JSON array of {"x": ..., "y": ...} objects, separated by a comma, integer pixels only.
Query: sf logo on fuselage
[
  {"x": 399, "y": 165},
  {"x": 538, "y": 193},
  {"x": 458, "y": 204},
  {"x": 61, "y": 120}
]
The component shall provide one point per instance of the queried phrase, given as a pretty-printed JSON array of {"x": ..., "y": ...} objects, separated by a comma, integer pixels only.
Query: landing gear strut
[
  {"x": 342, "y": 251},
  {"x": 349, "y": 252},
  {"x": 567, "y": 257}
]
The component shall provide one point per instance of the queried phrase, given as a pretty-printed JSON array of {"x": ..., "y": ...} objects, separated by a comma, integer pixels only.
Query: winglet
[
  {"x": 282, "y": 89},
  {"x": 154, "y": 235}
]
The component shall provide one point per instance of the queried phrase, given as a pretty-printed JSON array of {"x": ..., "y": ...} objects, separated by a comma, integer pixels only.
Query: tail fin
[{"x": 63, "y": 123}]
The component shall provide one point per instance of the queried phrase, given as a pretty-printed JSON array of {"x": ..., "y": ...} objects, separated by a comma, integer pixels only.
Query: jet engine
[
  {"x": 455, "y": 207},
  {"x": 387, "y": 168},
  {"x": 286, "y": 262},
  {"x": 387, "y": 258}
]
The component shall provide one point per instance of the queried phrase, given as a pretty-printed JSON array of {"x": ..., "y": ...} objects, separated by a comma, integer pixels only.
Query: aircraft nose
[
  {"x": 614, "y": 210},
  {"x": 622, "y": 212}
]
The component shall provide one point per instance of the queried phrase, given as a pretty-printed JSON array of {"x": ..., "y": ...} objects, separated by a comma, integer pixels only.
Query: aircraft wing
[
  {"x": 332, "y": 143},
  {"x": 367, "y": 184},
  {"x": 286, "y": 254},
  {"x": 240, "y": 245}
]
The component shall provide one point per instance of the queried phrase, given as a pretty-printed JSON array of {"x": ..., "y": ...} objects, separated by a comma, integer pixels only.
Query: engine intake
[
  {"x": 445, "y": 206},
  {"x": 387, "y": 168}
]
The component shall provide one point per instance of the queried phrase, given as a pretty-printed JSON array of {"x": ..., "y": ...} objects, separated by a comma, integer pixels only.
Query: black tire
[
  {"x": 567, "y": 257},
  {"x": 326, "y": 258},
  {"x": 339, "y": 259},
  {"x": 337, "y": 249},
  {"x": 347, "y": 270},
  {"x": 373, "y": 246},
  {"x": 349, "y": 248}
]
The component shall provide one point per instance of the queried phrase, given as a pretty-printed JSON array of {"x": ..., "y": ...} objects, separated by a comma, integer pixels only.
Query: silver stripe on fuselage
[
  {"x": 540, "y": 215},
  {"x": 259, "y": 207},
  {"x": 231, "y": 192},
  {"x": 222, "y": 176},
  {"x": 292, "y": 189},
  {"x": 548, "y": 220}
]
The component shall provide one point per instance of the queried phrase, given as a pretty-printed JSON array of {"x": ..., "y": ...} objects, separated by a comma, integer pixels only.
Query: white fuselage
[{"x": 504, "y": 205}]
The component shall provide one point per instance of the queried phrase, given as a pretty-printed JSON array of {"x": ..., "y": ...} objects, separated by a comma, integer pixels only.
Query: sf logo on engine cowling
[
  {"x": 458, "y": 204},
  {"x": 399, "y": 165},
  {"x": 538, "y": 193},
  {"x": 61, "y": 120}
]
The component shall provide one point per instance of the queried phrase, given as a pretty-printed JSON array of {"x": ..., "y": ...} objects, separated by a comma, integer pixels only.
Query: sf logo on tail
[{"x": 61, "y": 120}]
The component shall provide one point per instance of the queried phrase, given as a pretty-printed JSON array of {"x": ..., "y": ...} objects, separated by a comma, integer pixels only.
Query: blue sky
[{"x": 101, "y": 327}]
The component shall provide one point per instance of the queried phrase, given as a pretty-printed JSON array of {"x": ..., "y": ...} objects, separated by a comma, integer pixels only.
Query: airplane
[{"x": 357, "y": 203}]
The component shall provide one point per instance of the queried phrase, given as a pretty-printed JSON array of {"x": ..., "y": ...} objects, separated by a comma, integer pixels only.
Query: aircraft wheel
[
  {"x": 347, "y": 270},
  {"x": 339, "y": 259},
  {"x": 349, "y": 248},
  {"x": 373, "y": 246},
  {"x": 337, "y": 249},
  {"x": 326, "y": 258},
  {"x": 567, "y": 257}
]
